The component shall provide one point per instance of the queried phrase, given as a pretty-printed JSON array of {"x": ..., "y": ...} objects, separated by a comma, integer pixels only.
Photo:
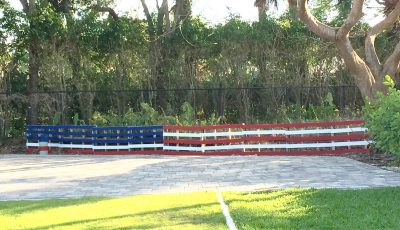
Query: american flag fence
[{"x": 313, "y": 138}]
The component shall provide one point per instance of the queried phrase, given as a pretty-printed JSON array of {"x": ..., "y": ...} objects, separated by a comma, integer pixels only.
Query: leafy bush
[
  {"x": 382, "y": 118},
  {"x": 299, "y": 113},
  {"x": 189, "y": 117},
  {"x": 146, "y": 116},
  {"x": 149, "y": 116}
]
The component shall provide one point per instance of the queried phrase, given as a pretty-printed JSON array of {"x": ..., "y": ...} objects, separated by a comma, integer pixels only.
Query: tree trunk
[
  {"x": 86, "y": 102},
  {"x": 160, "y": 34},
  {"x": 262, "y": 62},
  {"x": 122, "y": 82},
  {"x": 189, "y": 73},
  {"x": 361, "y": 73},
  {"x": 33, "y": 82},
  {"x": 262, "y": 12},
  {"x": 33, "y": 52},
  {"x": 368, "y": 75},
  {"x": 159, "y": 73}
]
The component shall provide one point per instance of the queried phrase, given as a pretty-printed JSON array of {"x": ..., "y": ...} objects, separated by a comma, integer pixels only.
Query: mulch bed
[
  {"x": 376, "y": 158},
  {"x": 14, "y": 145}
]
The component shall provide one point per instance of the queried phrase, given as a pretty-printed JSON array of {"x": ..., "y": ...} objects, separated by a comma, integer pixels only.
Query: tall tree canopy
[
  {"x": 368, "y": 72},
  {"x": 70, "y": 61}
]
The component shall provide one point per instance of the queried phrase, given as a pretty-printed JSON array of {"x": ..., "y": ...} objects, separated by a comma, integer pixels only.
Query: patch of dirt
[
  {"x": 12, "y": 145},
  {"x": 379, "y": 159}
]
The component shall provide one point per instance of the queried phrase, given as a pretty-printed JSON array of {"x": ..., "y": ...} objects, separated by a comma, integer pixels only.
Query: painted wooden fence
[
  {"x": 238, "y": 139},
  {"x": 63, "y": 137},
  {"x": 269, "y": 139},
  {"x": 97, "y": 140}
]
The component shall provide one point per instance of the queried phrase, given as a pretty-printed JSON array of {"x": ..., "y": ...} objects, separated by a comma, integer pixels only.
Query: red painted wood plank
[
  {"x": 270, "y": 153},
  {"x": 291, "y": 139},
  {"x": 200, "y": 128},
  {"x": 305, "y": 125},
  {"x": 279, "y": 138},
  {"x": 111, "y": 152},
  {"x": 264, "y": 126},
  {"x": 201, "y": 142},
  {"x": 216, "y": 153}
]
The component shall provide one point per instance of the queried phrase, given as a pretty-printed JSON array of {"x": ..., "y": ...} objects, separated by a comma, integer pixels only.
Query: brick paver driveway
[{"x": 38, "y": 177}]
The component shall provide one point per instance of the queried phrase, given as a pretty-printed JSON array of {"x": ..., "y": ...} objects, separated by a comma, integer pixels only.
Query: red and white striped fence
[
  {"x": 267, "y": 139},
  {"x": 313, "y": 138}
]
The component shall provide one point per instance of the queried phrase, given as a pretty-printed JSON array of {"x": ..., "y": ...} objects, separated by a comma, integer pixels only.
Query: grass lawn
[
  {"x": 316, "y": 209},
  {"x": 189, "y": 211},
  {"x": 285, "y": 209}
]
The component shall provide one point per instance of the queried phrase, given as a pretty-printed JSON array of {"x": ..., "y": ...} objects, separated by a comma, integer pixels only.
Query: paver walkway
[{"x": 39, "y": 177}]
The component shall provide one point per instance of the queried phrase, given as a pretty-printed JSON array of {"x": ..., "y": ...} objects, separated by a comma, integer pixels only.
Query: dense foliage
[
  {"x": 382, "y": 118},
  {"x": 149, "y": 116},
  {"x": 96, "y": 67}
]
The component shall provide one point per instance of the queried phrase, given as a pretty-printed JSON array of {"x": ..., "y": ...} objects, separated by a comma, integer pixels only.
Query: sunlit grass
[
  {"x": 186, "y": 211},
  {"x": 284, "y": 209},
  {"x": 316, "y": 209}
]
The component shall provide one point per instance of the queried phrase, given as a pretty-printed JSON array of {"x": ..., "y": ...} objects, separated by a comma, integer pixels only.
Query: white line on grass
[{"x": 225, "y": 211}]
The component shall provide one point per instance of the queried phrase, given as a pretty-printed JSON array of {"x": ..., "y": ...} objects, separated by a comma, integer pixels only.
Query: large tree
[
  {"x": 368, "y": 72},
  {"x": 261, "y": 54},
  {"x": 29, "y": 8},
  {"x": 161, "y": 30},
  {"x": 263, "y": 6}
]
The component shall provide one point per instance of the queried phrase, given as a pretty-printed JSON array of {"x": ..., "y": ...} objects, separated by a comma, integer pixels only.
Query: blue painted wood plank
[
  {"x": 60, "y": 126},
  {"x": 60, "y": 133},
  {"x": 154, "y": 127},
  {"x": 76, "y": 140},
  {"x": 136, "y": 140},
  {"x": 126, "y": 134}
]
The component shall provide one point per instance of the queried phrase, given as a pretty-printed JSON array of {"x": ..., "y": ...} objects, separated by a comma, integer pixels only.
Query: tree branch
[
  {"x": 31, "y": 6},
  {"x": 371, "y": 56},
  {"x": 148, "y": 18},
  {"x": 370, "y": 51},
  {"x": 165, "y": 9},
  {"x": 160, "y": 19},
  {"x": 106, "y": 10},
  {"x": 182, "y": 11},
  {"x": 322, "y": 30},
  {"x": 392, "y": 64},
  {"x": 25, "y": 5},
  {"x": 354, "y": 16},
  {"x": 54, "y": 3},
  {"x": 157, "y": 5},
  {"x": 362, "y": 74},
  {"x": 61, "y": 6}
]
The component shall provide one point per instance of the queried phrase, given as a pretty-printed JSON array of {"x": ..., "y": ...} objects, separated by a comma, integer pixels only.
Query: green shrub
[
  {"x": 146, "y": 116},
  {"x": 56, "y": 118},
  {"x": 382, "y": 118},
  {"x": 187, "y": 116},
  {"x": 299, "y": 113},
  {"x": 149, "y": 116}
]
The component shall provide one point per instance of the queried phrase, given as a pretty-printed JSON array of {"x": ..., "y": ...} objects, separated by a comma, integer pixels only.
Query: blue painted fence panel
[{"x": 92, "y": 135}]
